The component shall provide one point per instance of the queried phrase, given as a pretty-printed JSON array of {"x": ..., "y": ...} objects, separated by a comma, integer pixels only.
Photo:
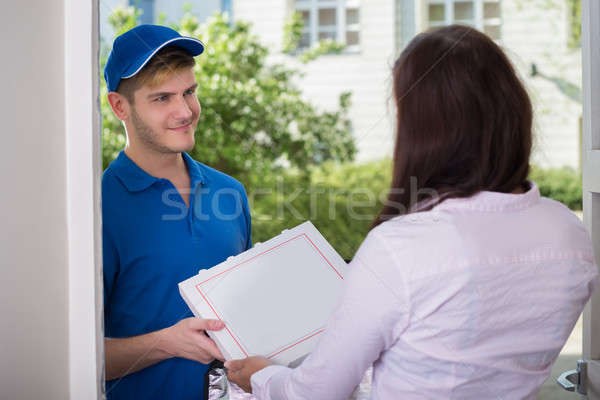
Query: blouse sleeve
[{"x": 371, "y": 314}]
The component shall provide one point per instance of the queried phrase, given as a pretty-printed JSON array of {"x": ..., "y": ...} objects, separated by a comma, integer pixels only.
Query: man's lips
[{"x": 182, "y": 128}]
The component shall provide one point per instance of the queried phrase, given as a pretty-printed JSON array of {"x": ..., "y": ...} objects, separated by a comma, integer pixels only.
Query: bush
[
  {"x": 561, "y": 184},
  {"x": 341, "y": 200}
]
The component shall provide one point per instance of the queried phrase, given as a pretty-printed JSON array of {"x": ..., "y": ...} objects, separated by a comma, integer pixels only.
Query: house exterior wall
[{"x": 267, "y": 17}]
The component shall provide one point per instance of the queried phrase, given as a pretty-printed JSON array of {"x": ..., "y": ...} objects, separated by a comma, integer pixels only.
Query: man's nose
[{"x": 182, "y": 109}]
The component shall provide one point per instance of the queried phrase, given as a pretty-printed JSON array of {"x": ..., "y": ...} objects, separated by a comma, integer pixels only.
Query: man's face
[{"x": 164, "y": 117}]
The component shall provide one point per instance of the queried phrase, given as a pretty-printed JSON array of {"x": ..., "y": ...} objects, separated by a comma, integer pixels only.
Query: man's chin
[
  {"x": 182, "y": 145},
  {"x": 183, "y": 148},
  {"x": 189, "y": 147}
]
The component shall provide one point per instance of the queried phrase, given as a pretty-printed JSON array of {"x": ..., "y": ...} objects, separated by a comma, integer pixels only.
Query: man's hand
[
  {"x": 240, "y": 371},
  {"x": 186, "y": 339},
  {"x": 124, "y": 356}
]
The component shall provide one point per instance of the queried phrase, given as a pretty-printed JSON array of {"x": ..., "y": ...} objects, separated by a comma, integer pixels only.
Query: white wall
[
  {"x": 33, "y": 232},
  {"x": 267, "y": 17}
]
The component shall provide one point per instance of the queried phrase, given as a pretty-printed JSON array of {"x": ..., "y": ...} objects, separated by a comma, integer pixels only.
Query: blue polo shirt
[{"x": 151, "y": 242}]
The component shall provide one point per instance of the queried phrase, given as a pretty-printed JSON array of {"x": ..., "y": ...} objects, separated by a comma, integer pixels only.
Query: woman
[{"x": 469, "y": 283}]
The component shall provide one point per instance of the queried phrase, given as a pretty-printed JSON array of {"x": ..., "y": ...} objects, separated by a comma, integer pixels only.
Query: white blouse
[{"x": 471, "y": 300}]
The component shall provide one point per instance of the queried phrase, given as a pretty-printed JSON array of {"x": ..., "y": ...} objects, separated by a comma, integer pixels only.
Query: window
[
  {"x": 484, "y": 15},
  {"x": 338, "y": 20}
]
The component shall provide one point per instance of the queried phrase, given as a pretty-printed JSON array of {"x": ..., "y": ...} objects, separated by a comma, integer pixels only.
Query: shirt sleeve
[{"x": 371, "y": 313}]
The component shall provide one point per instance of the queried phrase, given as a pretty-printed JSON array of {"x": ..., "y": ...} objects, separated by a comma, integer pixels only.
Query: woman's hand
[{"x": 240, "y": 371}]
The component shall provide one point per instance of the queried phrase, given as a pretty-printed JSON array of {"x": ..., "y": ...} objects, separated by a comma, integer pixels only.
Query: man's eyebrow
[{"x": 160, "y": 94}]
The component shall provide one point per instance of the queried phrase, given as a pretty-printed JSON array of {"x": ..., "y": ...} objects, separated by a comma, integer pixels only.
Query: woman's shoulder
[
  {"x": 408, "y": 236},
  {"x": 415, "y": 227},
  {"x": 560, "y": 210}
]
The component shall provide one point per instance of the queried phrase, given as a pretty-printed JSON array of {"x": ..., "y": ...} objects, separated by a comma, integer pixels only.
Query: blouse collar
[{"x": 494, "y": 201}]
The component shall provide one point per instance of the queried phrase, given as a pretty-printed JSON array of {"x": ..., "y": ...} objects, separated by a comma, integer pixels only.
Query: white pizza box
[{"x": 274, "y": 299}]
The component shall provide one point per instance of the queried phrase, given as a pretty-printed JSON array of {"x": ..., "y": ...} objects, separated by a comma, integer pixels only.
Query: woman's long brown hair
[{"x": 464, "y": 121}]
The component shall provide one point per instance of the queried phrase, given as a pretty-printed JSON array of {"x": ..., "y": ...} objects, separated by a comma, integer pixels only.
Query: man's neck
[{"x": 161, "y": 165}]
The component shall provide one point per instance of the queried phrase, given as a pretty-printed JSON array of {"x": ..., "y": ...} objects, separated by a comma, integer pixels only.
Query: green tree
[
  {"x": 341, "y": 200},
  {"x": 254, "y": 120}
]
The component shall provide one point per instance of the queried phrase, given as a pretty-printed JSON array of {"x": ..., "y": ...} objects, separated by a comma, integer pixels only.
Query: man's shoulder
[
  {"x": 110, "y": 180},
  {"x": 114, "y": 193},
  {"x": 217, "y": 178}
]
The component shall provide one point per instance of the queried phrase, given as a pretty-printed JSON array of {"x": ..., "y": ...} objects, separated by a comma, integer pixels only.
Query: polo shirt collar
[
  {"x": 196, "y": 174},
  {"x": 136, "y": 179}
]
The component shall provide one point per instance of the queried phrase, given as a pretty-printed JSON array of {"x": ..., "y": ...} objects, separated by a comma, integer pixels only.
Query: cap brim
[{"x": 194, "y": 46}]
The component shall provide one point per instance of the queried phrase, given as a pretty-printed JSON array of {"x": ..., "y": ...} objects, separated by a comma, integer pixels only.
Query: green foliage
[
  {"x": 113, "y": 137},
  {"x": 161, "y": 19},
  {"x": 326, "y": 46},
  {"x": 561, "y": 184},
  {"x": 254, "y": 120},
  {"x": 574, "y": 10},
  {"x": 123, "y": 19},
  {"x": 341, "y": 200},
  {"x": 292, "y": 33}
]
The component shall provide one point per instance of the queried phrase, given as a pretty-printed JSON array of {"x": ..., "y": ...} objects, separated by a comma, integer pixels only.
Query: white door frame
[
  {"x": 591, "y": 181},
  {"x": 84, "y": 167}
]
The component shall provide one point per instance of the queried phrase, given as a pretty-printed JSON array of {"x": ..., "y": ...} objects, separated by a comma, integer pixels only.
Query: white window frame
[
  {"x": 313, "y": 6},
  {"x": 478, "y": 20}
]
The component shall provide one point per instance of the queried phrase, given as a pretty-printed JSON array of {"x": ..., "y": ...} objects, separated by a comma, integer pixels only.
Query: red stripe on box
[
  {"x": 290, "y": 346},
  {"x": 331, "y": 265},
  {"x": 211, "y": 307}
]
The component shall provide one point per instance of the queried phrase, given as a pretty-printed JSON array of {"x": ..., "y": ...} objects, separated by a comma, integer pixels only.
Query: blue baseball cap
[{"x": 133, "y": 49}]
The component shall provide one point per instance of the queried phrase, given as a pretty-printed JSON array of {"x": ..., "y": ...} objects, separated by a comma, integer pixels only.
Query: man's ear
[{"x": 119, "y": 105}]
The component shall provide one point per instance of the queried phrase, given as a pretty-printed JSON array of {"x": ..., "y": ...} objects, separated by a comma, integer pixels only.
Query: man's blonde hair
[{"x": 167, "y": 61}]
